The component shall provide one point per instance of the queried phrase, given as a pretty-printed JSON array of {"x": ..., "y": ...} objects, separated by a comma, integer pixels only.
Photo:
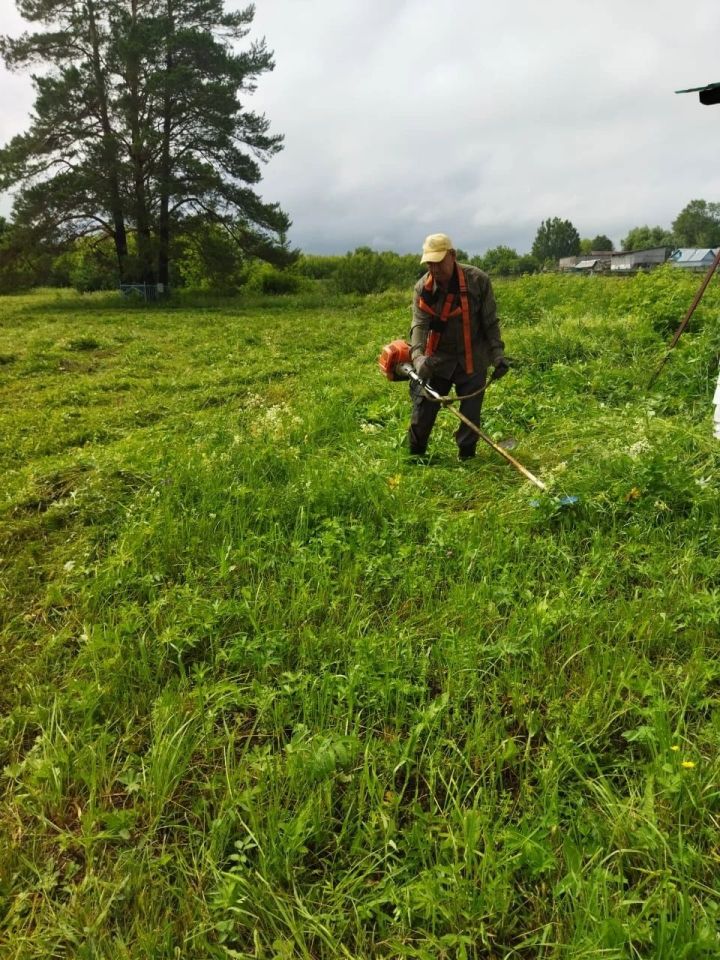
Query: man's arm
[
  {"x": 490, "y": 325},
  {"x": 419, "y": 329}
]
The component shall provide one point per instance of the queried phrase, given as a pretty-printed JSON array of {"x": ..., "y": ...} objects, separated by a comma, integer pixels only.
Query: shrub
[
  {"x": 317, "y": 267},
  {"x": 88, "y": 266},
  {"x": 506, "y": 262},
  {"x": 206, "y": 258},
  {"x": 366, "y": 271},
  {"x": 265, "y": 278}
]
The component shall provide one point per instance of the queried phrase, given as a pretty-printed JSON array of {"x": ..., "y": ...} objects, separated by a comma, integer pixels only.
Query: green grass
[{"x": 271, "y": 690}]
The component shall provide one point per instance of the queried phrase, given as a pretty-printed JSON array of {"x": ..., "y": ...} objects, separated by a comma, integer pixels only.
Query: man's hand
[{"x": 501, "y": 368}]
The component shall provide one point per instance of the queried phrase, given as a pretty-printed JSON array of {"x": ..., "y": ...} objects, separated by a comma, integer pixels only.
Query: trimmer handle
[{"x": 407, "y": 371}]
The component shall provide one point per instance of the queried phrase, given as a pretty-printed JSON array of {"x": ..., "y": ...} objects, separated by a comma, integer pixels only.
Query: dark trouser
[{"x": 425, "y": 411}]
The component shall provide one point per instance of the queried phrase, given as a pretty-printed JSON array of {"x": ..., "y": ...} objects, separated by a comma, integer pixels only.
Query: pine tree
[
  {"x": 210, "y": 144},
  {"x": 138, "y": 128},
  {"x": 68, "y": 162}
]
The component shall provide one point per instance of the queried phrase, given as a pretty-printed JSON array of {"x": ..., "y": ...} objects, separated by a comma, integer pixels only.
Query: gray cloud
[{"x": 477, "y": 118}]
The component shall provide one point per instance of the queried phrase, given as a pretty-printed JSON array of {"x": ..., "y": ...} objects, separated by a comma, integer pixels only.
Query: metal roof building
[
  {"x": 693, "y": 258},
  {"x": 639, "y": 259},
  {"x": 592, "y": 265}
]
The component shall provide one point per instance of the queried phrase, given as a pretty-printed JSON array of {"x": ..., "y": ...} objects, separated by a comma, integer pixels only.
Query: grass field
[{"x": 270, "y": 690}]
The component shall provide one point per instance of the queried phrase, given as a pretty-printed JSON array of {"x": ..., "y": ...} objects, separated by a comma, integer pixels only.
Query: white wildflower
[{"x": 638, "y": 447}]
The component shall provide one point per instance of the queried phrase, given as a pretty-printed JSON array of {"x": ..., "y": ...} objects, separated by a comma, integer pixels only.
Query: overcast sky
[{"x": 479, "y": 119}]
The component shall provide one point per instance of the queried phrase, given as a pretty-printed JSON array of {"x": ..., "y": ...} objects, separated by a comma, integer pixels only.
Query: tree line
[
  {"x": 697, "y": 225},
  {"x": 207, "y": 257}
]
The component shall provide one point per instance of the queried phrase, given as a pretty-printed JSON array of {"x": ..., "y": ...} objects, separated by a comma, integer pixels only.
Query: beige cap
[{"x": 435, "y": 247}]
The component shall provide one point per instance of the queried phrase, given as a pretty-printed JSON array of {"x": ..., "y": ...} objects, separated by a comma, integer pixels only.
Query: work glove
[{"x": 502, "y": 366}]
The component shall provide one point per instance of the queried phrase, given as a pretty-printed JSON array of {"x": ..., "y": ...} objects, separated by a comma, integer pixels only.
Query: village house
[
  {"x": 639, "y": 259},
  {"x": 690, "y": 258},
  {"x": 597, "y": 261},
  {"x": 601, "y": 261}
]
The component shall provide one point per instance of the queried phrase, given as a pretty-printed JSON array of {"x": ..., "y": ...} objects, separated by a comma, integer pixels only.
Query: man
[{"x": 454, "y": 337}]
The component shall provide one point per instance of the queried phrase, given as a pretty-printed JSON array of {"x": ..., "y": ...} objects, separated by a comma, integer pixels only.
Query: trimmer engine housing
[{"x": 391, "y": 356}]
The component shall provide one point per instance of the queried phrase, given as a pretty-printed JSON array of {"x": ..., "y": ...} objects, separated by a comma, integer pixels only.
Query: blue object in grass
[{"x": 567, "y": 501}]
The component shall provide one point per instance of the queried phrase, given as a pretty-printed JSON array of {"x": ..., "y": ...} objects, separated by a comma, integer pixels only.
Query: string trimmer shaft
[{"x": 409, "y": 371}]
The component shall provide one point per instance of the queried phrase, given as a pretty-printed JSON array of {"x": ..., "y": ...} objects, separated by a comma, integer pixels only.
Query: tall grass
[{"x": 271, "y": 690}]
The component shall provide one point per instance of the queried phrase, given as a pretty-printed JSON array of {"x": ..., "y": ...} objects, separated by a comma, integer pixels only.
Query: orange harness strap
[
  {"x": 465, "y": 307},
  {"x": 445, "y": 314}
]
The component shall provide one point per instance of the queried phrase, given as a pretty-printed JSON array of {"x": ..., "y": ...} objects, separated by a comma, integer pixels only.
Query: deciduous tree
[
  {"x": 556, "y": 238},
  {"x": 505, "y": 262},
  {"x": 698, "y": 225},
  {"x": 643, "y": 238}
]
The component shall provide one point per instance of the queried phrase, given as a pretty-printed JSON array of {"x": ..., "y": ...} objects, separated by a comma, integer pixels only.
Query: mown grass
[{"x": 271, "y": 690}]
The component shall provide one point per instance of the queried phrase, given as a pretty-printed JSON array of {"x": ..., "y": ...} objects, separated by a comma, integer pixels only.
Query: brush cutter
[{"x": 394, "y": 362}]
